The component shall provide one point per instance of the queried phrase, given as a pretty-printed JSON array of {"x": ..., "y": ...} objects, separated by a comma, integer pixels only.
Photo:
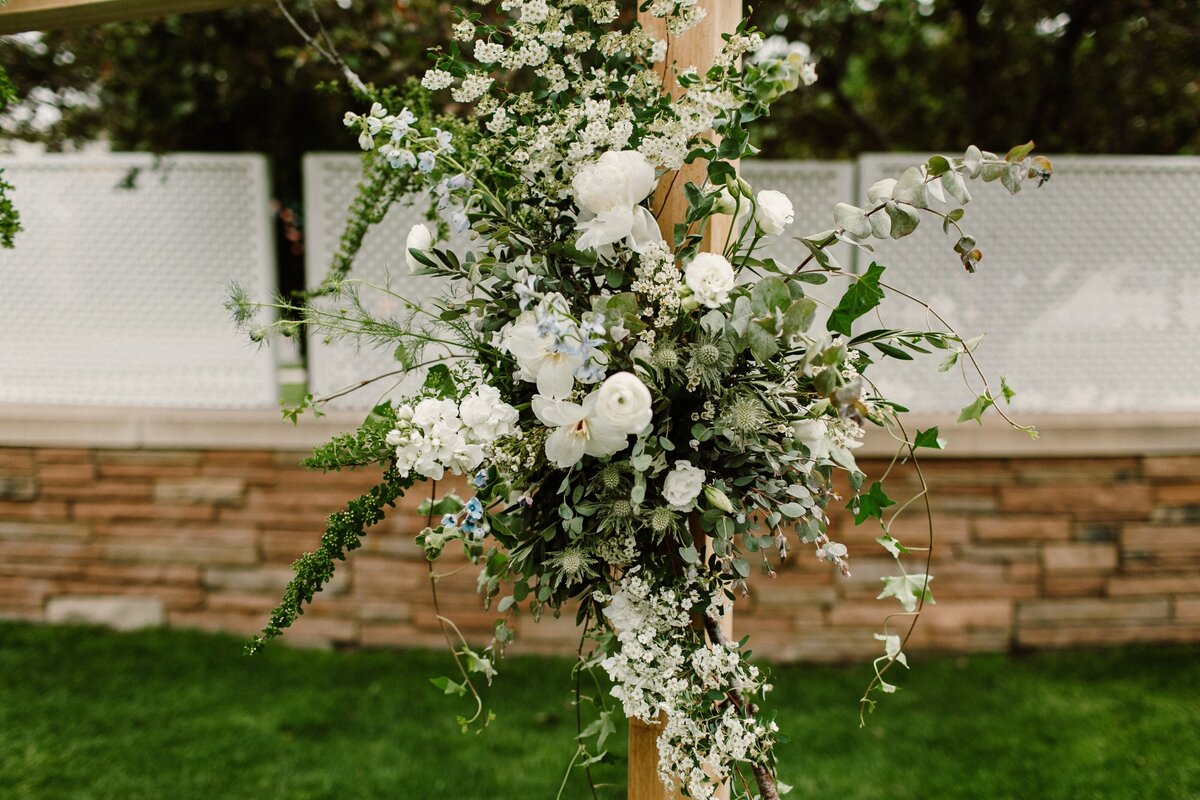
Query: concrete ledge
[{"x": 208, "y": 429}]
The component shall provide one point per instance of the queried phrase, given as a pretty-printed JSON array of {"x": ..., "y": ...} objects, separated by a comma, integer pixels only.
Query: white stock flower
[
  {"x": 682, "y": 485},
  {"x": 419, "y": 238},
  {"x": 578, "y": 430},
  {"x": 773, "y": 212},
  {"x": 623, "y": 403},
  {"x": 608, "y": 192},
  {"x": 536, "y": 363},
  {"x": 710, "y": 277}
]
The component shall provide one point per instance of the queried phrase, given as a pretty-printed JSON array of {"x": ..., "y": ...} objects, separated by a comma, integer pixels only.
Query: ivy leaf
[
  {"x": 976, "y": 409},
  {"x": 870, "y": 504},
  {"x": 891, "y": 544},
  {"x": 449, "y": 687},
  {"x": 1007, "y": 391},
  {"x": 929, "y": 439},
  {"x": 862, "y": 296}
]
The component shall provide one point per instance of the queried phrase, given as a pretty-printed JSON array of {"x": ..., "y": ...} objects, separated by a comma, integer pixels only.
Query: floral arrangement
[{"x": 641, "y": 410}]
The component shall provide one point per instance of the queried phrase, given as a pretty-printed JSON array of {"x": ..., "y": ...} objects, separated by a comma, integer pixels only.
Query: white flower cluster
[
  {"x": 656, "y": 280},
  {"x": 660, "y": 667},
  {"x": 438, "y": 435}
]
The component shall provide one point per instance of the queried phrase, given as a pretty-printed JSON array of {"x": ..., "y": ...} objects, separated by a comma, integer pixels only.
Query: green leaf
[
  {"x": 769, "y": 294},
  {"x": 761, "y": 337},
  {"x": 1006, "y": 391},
  {"x": 440, "y": 380},
  {"x": 893, "y": 351},
  {"x": 929, "y": 438},
  {"x": 976, "y": 409},
  {"x": 449, "y": 687},
  {"x": 791, "y": 510},
  {"x": 892, "y": 545},
  {"x": 870, "y": 504},
  {"x": 937, "y": 165},
  {"x": 799, "y": 316},
  {"x": 1019, "y": 152},
  {"x": 904, "y": 219},
  {"x": 689, "y": 554},
  {"x": 861, "y": 296}
]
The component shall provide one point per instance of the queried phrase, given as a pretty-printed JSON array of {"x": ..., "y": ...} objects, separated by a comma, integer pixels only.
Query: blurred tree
[
  {"x": 1084, "y": 76},
  {"x": 1076, "y": 75}
]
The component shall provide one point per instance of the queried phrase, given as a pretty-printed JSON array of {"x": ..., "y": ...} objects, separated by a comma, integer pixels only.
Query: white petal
[
  {"x": 556, "y": 376},
  {"x": 565, "y": 446},
  {"x": 556, "y": 412}
]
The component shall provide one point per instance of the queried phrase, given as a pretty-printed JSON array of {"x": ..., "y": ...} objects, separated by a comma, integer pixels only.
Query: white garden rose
[
  {"x": 623, "y": 403},
  {"x": 711, "y": 279},
  {"x": 608, "y": 192},
  {"x": 682, "y": 485},
  {"x": 419, "y": 238},
  {"x": 773, "y": 212}
]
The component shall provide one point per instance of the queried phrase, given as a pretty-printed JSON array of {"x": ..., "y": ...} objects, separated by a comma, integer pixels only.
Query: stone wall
[{"x": 1029, "y": 552}]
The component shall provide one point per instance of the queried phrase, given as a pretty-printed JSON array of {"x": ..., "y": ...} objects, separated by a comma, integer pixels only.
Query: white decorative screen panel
[
  {"x": 330, "y": 182},
  {"x": 330, "y": 185},
  {"x": 114, "y": 296},
  {"x": 1086, "y": 293}
]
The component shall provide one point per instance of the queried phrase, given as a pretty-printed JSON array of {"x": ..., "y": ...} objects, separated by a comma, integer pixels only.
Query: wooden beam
[
  {"x": 697, "y": 47},
  {"x": 43, "y": 15}
]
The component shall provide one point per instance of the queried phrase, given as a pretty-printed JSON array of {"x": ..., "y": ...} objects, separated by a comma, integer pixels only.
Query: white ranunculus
[
  {"x": 419, "y": 238},
  {"x": 554, "y": 373},
  {"x": 578, "y": 431},
  {"x": 608, "y": 192},
  {"x": 711, "y": 279},
  {"x": 487, "y": 415},
  {"x": 773, "y": 212},
  {"x": 682, "y": 485},
  {"x": 623, "y": 403}
]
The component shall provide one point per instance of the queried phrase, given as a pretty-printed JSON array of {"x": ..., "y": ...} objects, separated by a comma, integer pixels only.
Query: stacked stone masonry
[{"x": 1028, "y": 553}]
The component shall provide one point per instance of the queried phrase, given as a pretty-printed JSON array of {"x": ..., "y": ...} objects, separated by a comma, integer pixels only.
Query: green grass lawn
[{"x": 86, "y": 713}]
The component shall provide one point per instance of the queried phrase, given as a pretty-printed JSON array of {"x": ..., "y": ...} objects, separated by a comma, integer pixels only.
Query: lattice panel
[
  {"x": 114, "y": 296},
  {"x": 1087, "y": 291},
  {"x": 330, "y": 180}
]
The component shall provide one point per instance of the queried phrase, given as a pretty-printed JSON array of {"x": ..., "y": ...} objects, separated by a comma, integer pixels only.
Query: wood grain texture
[{"x": 44, "y": 15}]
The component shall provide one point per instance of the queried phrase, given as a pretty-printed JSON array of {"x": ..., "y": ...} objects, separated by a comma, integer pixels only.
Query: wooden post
[
  {"x": 697, "y": 47},
  {"x": 44, "y": 15}
]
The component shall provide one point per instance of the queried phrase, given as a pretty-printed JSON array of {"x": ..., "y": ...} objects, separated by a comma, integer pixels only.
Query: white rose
[
  {"x": 419, "y": 238},
  {"x": 623, "y": 403},
  {"x": 682, "y": 485},
  {"x": 710, "y": 277},
  {"x": 773, "y": 212}
]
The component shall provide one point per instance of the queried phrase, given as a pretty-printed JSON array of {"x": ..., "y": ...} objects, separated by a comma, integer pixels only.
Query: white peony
[
  {"x": 623, "y": 403},
  {"x": 710, "y": 277},
  {"x": 608, "y": 192},
  {"x": 773, "y": 212},
  {"x": 578, "y": 430},
  {"x": 554, "y": 373},
  {"x": 487, "y": 415},
  {"x": 682, "y": 485},
  {"x": 419, "y": 238}
]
